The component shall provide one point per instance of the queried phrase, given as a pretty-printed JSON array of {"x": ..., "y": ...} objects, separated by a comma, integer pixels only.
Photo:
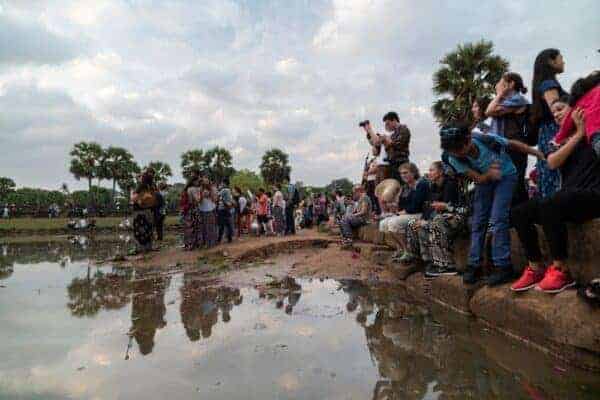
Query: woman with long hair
[
  {"x": 545, "y": 90},
  {"x": 144, "y": 201},
  {"x": 207, "y": 214},
  {"x": 190, "y": 198}
]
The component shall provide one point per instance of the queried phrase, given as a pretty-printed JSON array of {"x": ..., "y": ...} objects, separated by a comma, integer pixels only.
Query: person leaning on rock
[{"x": 395, "y": 146}]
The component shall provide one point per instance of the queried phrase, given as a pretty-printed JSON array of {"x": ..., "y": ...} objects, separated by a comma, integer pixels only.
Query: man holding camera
[{"x": 396, "y": 145}]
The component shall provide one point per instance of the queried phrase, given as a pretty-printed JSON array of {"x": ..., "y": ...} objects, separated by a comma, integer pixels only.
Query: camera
[{"x": 364, "y": 123}]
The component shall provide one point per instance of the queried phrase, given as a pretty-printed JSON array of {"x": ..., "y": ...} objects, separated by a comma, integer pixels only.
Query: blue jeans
[{"x": 491, "y": 206}]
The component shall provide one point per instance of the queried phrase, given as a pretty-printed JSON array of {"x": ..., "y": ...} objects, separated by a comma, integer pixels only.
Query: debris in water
[{"x": 81, "y": 368}]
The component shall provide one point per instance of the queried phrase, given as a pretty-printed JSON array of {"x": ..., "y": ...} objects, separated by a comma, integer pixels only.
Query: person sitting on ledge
[
  {"x": 576, "y": 202},
  {"x": 431, "y": 237},
  {"x": 483, "y": 159},
  {"x": 410, "y": 207},
  {"x": 359, "y": 217}
]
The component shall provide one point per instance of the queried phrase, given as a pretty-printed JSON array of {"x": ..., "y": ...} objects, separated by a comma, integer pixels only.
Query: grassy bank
[{"x": 59, "y": 225}]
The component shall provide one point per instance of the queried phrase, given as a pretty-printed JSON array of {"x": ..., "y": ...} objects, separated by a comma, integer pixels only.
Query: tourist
[
  {"x": 241, "y": 203},
  {"x": 160, "y": 211},
  {"x": 508, "y": 111},
  {"x": 224, "y": 206},
  {"x": 481, "y": 123},
  {"x": 278, "y": 212},
  {"x": 207, "y": 215},
  {"x": 270, "y": 230},
  {"x": 576, "y": 202},
  {"x": 546, "y": 90},
  {"x": 189, "y": 203},
  {"x": 308, "y": 211},
  {"x": 432, "y": 236},
  {"x": 144, "y": 201},
  {"x": 484, "y": 160},
  {"x": 358, "y": 218},
  {"x": 262, "y": 211},
  {"x": 410, "y": 206},
  {"x": 339, "y": 208},
  {"x": 396, "y": 145},
  {"x": 292, "y": 200},
  {"x": 6, "y": 212},
  {"x": 321, "y": 204},
  {"x": 585, "y": 95}
]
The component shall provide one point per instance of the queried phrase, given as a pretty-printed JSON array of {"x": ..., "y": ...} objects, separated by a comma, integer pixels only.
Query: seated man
[{"x": 359, "y": 217}]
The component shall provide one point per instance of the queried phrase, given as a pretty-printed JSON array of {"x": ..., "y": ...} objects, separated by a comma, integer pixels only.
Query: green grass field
[{"x": 60, "y": 224}]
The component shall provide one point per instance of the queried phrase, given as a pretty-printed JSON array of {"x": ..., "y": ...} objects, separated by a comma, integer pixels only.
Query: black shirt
[
  {"x": 446, "y": 193},
  {"x": 581, "y": 171}
]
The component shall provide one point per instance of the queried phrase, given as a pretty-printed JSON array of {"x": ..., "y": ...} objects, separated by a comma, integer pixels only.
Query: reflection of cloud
[{"x": 289, "y": 382}]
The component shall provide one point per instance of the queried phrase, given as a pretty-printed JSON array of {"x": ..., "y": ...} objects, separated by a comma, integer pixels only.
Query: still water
[{"x": 71, "y": 330}]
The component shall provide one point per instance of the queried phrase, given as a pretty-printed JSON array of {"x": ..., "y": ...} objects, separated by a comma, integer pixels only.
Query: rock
[
  {"x": 451, "y": 291},
  {"x": 562, "y": 322}
]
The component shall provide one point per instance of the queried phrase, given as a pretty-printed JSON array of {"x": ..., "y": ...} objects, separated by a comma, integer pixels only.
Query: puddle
[{"x": 73, "y": 330}]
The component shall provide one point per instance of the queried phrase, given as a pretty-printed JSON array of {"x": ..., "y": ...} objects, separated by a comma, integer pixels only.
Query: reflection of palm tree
[
  {"x": 148, "y": 309},
  {"x": 90, "y": 294}
]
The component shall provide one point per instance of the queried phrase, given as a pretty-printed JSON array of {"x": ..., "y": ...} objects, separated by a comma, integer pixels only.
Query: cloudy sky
[{"x": 162, "y": 77}]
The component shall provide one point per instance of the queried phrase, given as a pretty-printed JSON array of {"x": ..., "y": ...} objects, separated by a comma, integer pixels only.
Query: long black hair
[{"x": 542, "y": 71}]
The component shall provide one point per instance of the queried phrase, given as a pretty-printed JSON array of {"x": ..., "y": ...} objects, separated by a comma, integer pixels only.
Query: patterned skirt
[
  {"x": 278, "y": 220},
  {"x": 143, "y": 228},
  {"x": 190, "y": 229},
  {"x": 207, "y": 232},
  {"x": 548, "y": 180}
]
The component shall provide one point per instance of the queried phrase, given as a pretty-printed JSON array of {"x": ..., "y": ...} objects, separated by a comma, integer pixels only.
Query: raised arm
[
  {"x": 523, "y": 148},
  {"x": 558, "y": 158}
]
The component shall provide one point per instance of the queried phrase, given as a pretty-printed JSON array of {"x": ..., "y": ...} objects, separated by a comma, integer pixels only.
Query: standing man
[
  {"x": 396, "y": 145},
  {"x": 224, "y": 206},
  {"x": 292, "y": 200}
]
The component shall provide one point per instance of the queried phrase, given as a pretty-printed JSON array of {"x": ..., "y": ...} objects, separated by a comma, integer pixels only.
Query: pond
[{"x": 72, "y": 330}]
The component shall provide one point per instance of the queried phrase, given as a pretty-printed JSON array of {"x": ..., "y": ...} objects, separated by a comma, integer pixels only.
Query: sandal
[{"x": 591, "y": 292}]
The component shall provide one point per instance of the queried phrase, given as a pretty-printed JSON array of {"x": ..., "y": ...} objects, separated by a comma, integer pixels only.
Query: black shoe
[
  {"x": 471, "y": 275},
  {"x": 500, "y": 275},
  {"x": 440, "y": 271},
  {"x": 431, "y": 271}
]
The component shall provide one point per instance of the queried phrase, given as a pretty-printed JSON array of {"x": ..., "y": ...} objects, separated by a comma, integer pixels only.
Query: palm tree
[
  {"x": 162, "y": 171},
  {"x": 192, "y": 159},
  {"x": 7, "y": 185},
  {"x": 218, "y": 164},
  {"x": 469, "y": 72},
  {"x": 274, "y": 167},
  {"x": 85, "y": 161},
  {"x": 117, "y": 164}
]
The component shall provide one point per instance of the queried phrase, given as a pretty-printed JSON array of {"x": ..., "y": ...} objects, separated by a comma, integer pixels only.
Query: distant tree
[
  {"x": 162, "y": 171},
  {"x": 343, "y": 184},
  {"x": 192, "y": 159},
  {"x": 7, "y": 186},
  {"x": 35, "y": 201},
  {"x": 467, "y": 73},
  {"x": 247, "y": 180},
  {"x": 274, "y": 167},
  {"x": 85, "y": 161},
  {"x": 117, "y": 164},
  {"x": 217, "y": 163}
]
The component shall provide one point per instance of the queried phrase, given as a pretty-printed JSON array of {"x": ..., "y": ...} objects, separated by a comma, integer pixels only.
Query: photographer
[{"x": 395, "y": 146}]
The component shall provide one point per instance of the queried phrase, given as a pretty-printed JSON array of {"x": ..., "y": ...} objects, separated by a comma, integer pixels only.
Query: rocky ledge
[{"x": 563, "y": 324}]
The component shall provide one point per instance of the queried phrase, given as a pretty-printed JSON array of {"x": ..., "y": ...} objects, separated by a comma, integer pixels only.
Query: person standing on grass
[{"x": 483, "y": 159}]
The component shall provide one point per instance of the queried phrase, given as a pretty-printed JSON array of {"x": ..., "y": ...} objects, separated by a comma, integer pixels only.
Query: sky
[{"x": 163, "y": 77}]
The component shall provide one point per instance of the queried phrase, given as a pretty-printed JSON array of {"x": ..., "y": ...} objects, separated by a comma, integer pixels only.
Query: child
[
  {"x": 483, "y": 159},
  {"x": 585, "y": 95}
]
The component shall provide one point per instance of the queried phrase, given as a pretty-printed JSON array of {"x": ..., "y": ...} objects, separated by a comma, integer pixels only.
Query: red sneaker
[
  {"x": 555, "y": 281},
  {"x": 528, "y": 279}
]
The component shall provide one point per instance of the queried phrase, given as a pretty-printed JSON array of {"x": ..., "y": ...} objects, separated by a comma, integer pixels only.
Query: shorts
[{"x": 397, "y": 223}]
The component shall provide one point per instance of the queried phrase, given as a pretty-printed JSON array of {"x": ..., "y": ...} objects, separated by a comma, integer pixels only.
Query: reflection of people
[
  {"x": 148, "y": 310},
  {"x": 200, "y": 306}
]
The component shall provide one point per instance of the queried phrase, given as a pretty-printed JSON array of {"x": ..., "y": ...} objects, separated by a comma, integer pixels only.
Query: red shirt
[{"x": 263, "y": 204}]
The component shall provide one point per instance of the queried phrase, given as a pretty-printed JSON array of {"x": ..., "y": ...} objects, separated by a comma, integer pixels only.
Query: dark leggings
[{"x": 552, "y": 214}]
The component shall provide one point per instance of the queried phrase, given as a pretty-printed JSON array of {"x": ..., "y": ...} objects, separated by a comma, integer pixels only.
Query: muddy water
[{"x": 69, "y": 329}]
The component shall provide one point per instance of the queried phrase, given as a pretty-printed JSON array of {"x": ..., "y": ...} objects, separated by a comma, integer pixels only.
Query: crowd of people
[{"x": 479, "y": 187}]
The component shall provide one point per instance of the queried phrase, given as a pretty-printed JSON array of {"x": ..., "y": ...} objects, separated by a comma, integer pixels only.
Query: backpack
[{"x": 518, "y": 127}]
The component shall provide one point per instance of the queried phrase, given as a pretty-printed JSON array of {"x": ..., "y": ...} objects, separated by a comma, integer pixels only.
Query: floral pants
[{"x": 433, "y": 240}]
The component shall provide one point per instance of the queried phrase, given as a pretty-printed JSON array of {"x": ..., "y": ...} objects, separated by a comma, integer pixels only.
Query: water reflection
[
  {"x": 99, "y": 290},
  {"x": 200, "y": 305},
  {"x": 148, "y": 308},
  {"x": 285, "y": 293}
]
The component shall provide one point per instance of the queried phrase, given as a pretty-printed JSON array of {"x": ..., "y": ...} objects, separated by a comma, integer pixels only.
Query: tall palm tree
[
  {"x": 192, "y": 159},
  {"x": 467, "y": 73},
  {"x": 117, "y": 164},
  {"x": 218, "y": 164},
  {"x": 162, "y": 171},
  {"x": 85, "y": 161},
  {"x": 274, "y": 167}
]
